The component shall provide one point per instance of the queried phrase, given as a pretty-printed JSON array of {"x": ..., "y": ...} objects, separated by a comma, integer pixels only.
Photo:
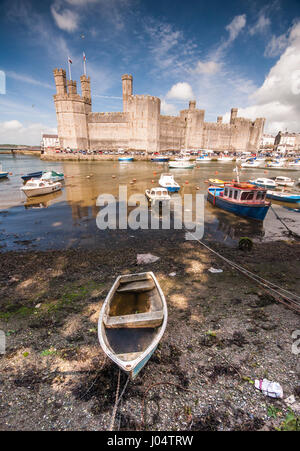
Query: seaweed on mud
[
  {"x": 237, "y": 339},
  {"x": 32, "y": 378},
  {"x": 210, "y": 421}
]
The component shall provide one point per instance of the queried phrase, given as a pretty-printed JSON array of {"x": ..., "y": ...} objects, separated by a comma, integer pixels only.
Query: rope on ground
[
  {"x": 154, "y": 385},
  {"x": 116, "y": 404},
  {"x": 288, "y": 301},
  {"x": 294, "y": 234}
]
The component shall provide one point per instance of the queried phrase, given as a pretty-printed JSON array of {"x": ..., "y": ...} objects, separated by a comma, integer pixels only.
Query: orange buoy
[
  {"x": 152, "y": 181},
  {"x": 216, "y": 172},
  {"x": 186, "y": 182},
  {"x": 154, "y": 173},
  {"x": 134, "y": 180}
]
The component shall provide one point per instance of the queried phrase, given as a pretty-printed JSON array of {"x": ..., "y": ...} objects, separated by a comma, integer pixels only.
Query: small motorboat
[
  {"x": 217, "y": 182},
  {"x": 263, "y": 182},
  {"x": 125, "y": 159},
  {"x": 181, "y": 164},
  {"x": 32, "y": 175},
  {"x": 132, "y": 321},
  {"x": 53, "y": 176},
  {"x": 276, "y": 164},
  {"x": 242, "y": 199},
  {"x": 158, "y": 196},
  {"x": 3, "y": 175},
  {"x": 39, "y": 187},
  {"x": 284, "y": 196},
  {"x": 160, "y": 159},
  {"x": 284, "y": 181},
  {"x": 167, "y": 181}
]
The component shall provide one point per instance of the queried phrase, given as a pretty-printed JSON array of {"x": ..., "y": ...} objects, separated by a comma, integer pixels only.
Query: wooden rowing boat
[{"x": 132, "y": 321}]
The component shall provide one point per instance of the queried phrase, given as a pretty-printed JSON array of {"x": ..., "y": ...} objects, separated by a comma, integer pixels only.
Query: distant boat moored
[
  {"x": 32, "y": 175},
  {"x": 38, "y": 187},
  {"x": 263, "y": 183},
  {"x": 284, "y": 196},
  {"x": 125, "y": 159},
  {"x": 167, "y": 181}
]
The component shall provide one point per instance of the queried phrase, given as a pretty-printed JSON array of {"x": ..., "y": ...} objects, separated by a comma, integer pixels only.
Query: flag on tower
[
  {"x": 70, "y": 61},
  {"x": 69, "y": 65}
]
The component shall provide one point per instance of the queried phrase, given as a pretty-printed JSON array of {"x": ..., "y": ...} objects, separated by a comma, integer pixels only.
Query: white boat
[
  {"x": 35, "y": 187},
  {"x": 225, "y": 159},
  {"x": 295, "y": 164},
  {"x": 203, "y": 159},
  {"x": 252, "y": 163},
  {"x": 181, "y": 164},
  {"x": 167, "y": 181},
  {"x": 277, "y": 164},
  {"x": 264, "y": 183},
  {"x": 132, "y": 321},
  {"x": 52, "y": 176},
  {"x": 284, "y": 181},
  {"x": 158, "y": 196}
]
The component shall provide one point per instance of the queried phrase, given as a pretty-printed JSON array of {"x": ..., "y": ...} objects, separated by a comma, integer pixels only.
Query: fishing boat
[
  {"x": 167, "y": 181},
  {"x": 263, "y": 183},
  {"x": 38, "y": 187},
  {"x": 242, "y": 199},
  {"x": 160, "y": 159},
  {"x": 125, "y": 159},
  {"x": 181, "y": 164},
  {"x": 53, "y": 176},
  {"x": 284, "y": 181},
  {"x": 284, "y": 196},
  {"x": 132, "y": 321},
  {"x": 158, "y": 196},
  {"x": 32, "y": 175}
]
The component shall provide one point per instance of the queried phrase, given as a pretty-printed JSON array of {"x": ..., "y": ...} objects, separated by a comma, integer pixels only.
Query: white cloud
[
  {"x": 168, "y": 108},
  {"x": 208, "y": 67},
  {"x": 261, "y": 25},
  {"x": 14, "y": 132},
  {"x": 181, "y": 91},
  {"x": 277, "y": 45},
  {"x": 65, "y": 19},
  {"x": 28, "y": 79},
  {"x": 278, "y": 99},
  {"x": 235, "y": 27}
]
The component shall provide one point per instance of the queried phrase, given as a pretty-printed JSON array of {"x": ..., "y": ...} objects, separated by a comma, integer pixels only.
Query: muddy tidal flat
[{"x": 223, "y": 332}]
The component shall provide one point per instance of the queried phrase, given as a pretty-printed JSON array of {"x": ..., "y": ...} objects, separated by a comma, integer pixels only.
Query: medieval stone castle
[{"x": 141, "y": 126}]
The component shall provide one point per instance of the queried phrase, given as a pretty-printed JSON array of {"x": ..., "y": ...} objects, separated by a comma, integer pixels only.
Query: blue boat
[
  {"x": 241, "y": 199},
  {"x": 32, "y": 175},
  {"x": 167, "y": 181},
  {"x": 3, "y": 175},
  {"x": 284, "y": 197},
  {"x": 160, "y": 159},
  {"x": 125, "y": 158}
]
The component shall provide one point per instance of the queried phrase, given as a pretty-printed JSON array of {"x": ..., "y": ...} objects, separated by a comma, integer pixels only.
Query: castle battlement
[{"x": 141, "y": 126}]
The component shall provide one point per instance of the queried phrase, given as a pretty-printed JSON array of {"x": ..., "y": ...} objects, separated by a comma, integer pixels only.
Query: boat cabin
[
  {"x": 159, "y": 193},
  {"x": 244, "y": 192}
]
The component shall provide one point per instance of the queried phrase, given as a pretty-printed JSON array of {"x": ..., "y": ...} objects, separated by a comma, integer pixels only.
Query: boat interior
[{"x": 133, "y": 317}]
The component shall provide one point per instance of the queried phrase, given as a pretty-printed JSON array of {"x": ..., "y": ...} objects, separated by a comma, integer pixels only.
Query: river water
[{"x": 67, "y": 218}]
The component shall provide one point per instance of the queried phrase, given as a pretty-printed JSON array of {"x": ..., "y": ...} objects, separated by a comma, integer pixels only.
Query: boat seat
[
  {"x": 136, "y": 287},
  {"x": 150, "y": 319}
]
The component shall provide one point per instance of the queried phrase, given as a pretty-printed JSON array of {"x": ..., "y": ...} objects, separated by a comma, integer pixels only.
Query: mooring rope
[
  {"x": 116, "y": 403},
  {"x": 291, "y": 232},
  {"x": 289, "y": 302}
]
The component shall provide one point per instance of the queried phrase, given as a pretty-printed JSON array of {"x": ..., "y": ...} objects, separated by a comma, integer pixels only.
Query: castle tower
[
  {"x": 127, "y": 90},
  {"x": 219, "y": 119},
  {"x": 192, "y": 104},
  {"x": 234, "y": 112},
  {"x": 194, "y": 123},
  {"x": 85, "y": 87},
  {"x": 71, "y": 112},
  {"x": 60, "y": 81}
]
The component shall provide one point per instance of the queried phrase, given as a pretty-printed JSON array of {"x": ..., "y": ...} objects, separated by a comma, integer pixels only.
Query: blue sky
[{"x": 245, "y": 54}]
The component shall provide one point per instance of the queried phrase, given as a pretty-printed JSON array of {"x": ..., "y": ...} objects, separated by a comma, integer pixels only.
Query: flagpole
[
  {"x": 84, "y": 64},
  {"x": 70, "y": 75}
]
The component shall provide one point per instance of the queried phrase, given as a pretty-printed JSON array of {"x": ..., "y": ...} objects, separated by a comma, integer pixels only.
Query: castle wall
[{"x": 141, "y": 126}]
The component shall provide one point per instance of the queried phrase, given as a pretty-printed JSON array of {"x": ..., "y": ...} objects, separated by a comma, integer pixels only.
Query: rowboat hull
[
  {"x": 132, "y": 322},
  {"x": 125, "y": 159},
  {"x": 33, "y": 192},
  {"x": 3, "y": 175},
  {"x": 290, "y": 198},
  {"x": 256, "y": 212}
]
